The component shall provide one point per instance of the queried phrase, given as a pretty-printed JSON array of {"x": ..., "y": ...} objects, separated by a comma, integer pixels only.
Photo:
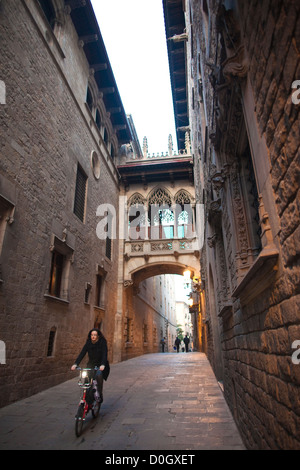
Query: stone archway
[{"x": 128, "y": 319}]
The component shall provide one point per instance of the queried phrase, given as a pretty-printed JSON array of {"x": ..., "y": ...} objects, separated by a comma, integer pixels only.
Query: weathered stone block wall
[
  {"x": 261, "y": 382},
  {"x": 266, "y": 380},
  {"x": 45, "y": 133},
  {"x": 148, "y": 307}
]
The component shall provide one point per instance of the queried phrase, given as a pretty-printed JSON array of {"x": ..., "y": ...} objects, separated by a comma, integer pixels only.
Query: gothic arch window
[
  {"x": 184, "y": 214},
  {"x": 113, "y": 146},
  {"x": 160, "y": 197},
  {"x": 161, "y": 214},
  {"x": 89, "y": 98},
  {"x": 182, "y": 197},
  {"x": 98, "y": 119},
  {"x": 137, "y": 217},
  {"x": 105, "y": 136},
  {"x": 112, "y": 151},
  {"x": 136, "y": 198},
  {"x": 92, "y": 100}
]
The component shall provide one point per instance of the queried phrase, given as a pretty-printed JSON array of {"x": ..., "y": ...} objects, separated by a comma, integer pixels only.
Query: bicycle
[{"x": 90, "y": 400}]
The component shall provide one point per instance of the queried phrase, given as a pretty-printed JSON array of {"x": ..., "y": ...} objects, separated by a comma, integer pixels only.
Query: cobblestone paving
[{"x": 154, "y": 402}]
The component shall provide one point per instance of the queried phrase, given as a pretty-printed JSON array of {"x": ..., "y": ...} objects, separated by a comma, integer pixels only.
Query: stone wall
[
  {"x": 46, "y": 131},
  {"x": 153, "y": 307},
  {"x": 243, "y": 82}
]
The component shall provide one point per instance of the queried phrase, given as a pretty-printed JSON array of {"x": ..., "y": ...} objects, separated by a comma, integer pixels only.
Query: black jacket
[{"x": 97, "y": 353}]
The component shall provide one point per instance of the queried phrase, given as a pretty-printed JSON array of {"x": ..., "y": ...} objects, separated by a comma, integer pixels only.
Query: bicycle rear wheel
[{"x": 79, "y": 420}]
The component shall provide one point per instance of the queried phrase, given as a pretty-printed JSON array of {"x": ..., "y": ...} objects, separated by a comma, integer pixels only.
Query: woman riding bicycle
[{"x": 96, "y": 348}]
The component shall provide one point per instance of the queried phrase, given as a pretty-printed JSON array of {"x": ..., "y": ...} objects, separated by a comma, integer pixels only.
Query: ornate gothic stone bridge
[{"x": 163, "y": 220}]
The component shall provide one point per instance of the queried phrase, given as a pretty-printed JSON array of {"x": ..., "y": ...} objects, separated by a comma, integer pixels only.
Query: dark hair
[{"x": 98, "y": 332}]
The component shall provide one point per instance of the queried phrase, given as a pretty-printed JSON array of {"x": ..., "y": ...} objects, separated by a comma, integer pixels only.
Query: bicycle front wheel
[
  {"x": 96, "y": 409},
  {"x": 79, "y": 421}
]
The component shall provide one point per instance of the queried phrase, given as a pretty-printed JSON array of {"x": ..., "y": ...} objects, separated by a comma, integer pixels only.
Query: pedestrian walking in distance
[
  {"x": 163, "y": 342},
  {"x": 186, "y": 341},
  {"x": 177, "y": 343}
]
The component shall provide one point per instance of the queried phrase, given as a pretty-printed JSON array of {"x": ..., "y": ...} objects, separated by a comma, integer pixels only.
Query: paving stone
[{"x": 140, "y": 416}]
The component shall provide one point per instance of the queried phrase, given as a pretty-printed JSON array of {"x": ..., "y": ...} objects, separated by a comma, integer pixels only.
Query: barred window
[{"x": 80, "y": 193}]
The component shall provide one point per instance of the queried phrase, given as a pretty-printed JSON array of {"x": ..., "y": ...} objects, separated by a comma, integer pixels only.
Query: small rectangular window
[
  {"x": 56, "y": 274},
  {"x": 80, "y": 193},
  {"x": 51, "y": 341}
]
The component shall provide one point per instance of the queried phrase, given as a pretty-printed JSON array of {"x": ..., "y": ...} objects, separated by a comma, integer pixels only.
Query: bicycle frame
[{"x": 85, "y": 382}]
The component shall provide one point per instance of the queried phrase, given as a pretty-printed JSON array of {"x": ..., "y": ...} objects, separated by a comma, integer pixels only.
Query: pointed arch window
[
  {"x": 98, "y": 119},
  {"x": 137, "y": 217},
  {"x": 89, "y": 98},
  {"x": 105, "y": 136},
  {"x": 184, "y": 214},
  {"x": 161, "y": 215}
]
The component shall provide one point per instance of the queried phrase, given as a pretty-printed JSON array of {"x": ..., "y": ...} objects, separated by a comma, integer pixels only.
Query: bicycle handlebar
[{"x": 85, "y": 368}]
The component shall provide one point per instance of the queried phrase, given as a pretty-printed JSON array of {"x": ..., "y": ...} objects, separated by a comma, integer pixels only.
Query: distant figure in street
[
  {"x": 163, "y": 342},
  {"x": 96, "y": 348},
  {"x": 186, "y": 341},
  {"x": 177, "y": 343}
]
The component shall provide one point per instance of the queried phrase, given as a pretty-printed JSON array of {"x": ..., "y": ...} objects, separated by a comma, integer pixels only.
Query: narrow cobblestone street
[{"x": 154, "y": 402}]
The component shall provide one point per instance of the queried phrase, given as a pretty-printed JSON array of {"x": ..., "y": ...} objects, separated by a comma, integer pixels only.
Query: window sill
[
  {"x": 56, "y": 299},
  {"x": 99, "y": 307},
  {"x": 260, "y": 275},
  {"x": 128, "y": 344}
]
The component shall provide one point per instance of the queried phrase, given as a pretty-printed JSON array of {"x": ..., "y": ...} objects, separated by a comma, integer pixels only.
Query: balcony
[{"x": 163, "y": 246}]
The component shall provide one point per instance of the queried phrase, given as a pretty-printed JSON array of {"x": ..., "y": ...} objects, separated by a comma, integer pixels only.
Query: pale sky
[{"x": 134, "y": 35}]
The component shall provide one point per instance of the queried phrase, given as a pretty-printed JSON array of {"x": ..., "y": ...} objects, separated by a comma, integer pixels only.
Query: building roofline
[{"x": 88, "y": 30}]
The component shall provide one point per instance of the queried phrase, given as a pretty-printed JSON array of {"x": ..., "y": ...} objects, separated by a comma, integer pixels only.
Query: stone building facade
[
  {"x": 158, "y": 239},
  {"x": 241, "y": 63},
  {"x": 61, "y": 128}
]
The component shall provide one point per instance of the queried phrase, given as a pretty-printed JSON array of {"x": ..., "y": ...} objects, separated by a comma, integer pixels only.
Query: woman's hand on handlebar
[{"x": 73, "y": 366}]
